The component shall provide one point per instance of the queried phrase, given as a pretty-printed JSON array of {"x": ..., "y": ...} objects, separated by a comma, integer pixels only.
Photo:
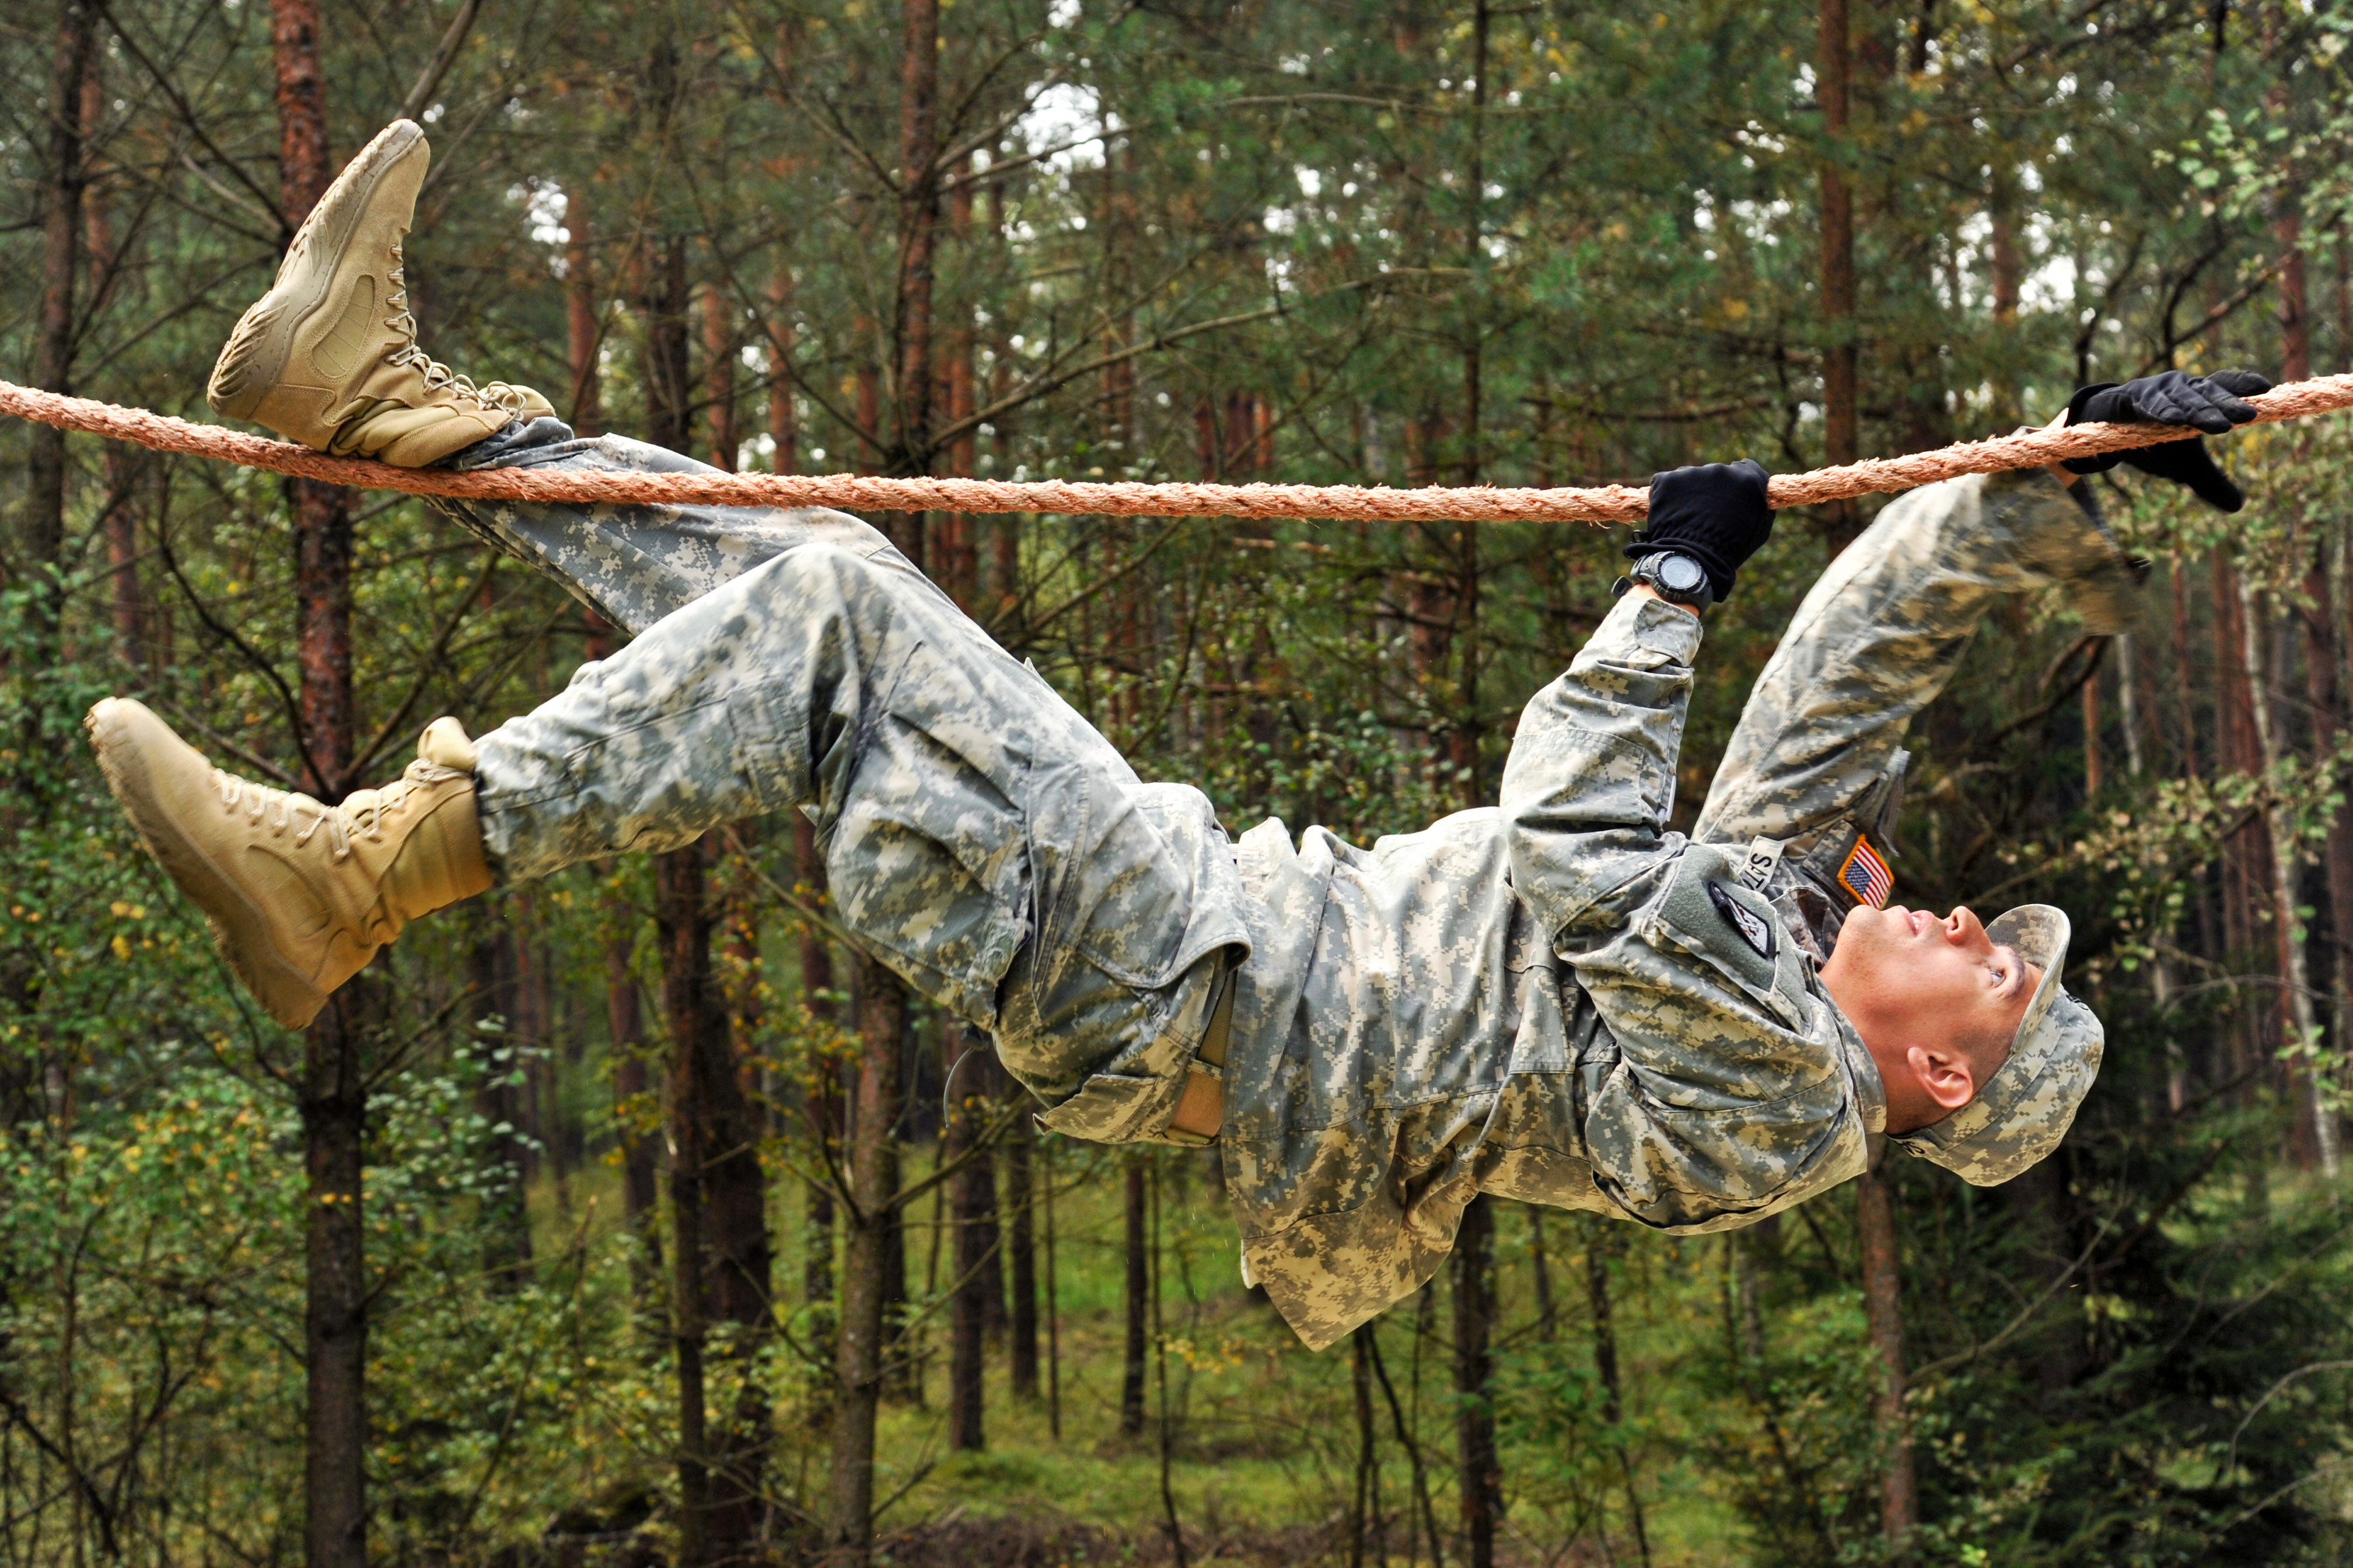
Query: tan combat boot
[
  {"x": 299, "y": 895},
  {"x": 328, "y": 356}
]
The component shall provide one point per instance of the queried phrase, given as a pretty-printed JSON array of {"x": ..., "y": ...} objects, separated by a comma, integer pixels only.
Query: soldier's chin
[{"x": 1862, "y": 936}]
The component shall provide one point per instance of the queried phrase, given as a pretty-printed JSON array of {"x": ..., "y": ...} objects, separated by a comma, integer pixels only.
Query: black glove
[
  {"x": 1713, "y": 512},
  {"x": 2211, "y": 403}
]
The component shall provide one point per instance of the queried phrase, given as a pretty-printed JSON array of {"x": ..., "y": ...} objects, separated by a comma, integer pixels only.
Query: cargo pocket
[
  {"x": 927, "y": 855},
  {"x": 1115, "y": 1108}
]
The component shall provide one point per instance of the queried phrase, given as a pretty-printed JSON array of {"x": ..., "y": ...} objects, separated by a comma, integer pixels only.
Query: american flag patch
[{"x": 1866, "y": 876}]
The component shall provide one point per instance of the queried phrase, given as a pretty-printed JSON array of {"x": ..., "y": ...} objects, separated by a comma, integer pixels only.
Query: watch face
[{"x": 1680, "y": 573}]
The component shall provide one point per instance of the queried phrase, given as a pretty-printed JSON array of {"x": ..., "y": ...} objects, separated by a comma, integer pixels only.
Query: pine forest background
[{"x": 551, "y": 1243}]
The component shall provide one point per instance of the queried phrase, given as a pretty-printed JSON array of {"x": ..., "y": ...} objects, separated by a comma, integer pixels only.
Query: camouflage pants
[{"x": 980, "y": 838}]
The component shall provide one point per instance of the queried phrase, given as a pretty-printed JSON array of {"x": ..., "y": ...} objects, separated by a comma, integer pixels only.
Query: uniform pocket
[
  {"x": 1706, "y": 913},
  {"x": 927, "y": 853}
]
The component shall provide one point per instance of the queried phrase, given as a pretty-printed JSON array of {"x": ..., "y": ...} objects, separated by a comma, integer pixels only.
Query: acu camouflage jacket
[{"x": 1557, "y": 1001}]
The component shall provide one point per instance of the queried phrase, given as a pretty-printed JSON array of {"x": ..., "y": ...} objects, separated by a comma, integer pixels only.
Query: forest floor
[{"x": 1262, "y": 1438}]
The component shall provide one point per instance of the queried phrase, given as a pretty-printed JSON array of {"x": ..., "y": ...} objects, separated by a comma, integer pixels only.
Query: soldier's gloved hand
[
  {"x": 2211, "y": 403},
  {"x": 1713, "y": 512}
]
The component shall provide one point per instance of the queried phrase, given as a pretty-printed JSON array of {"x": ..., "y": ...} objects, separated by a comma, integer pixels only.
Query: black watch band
[{"x": 1673, "y": 576}]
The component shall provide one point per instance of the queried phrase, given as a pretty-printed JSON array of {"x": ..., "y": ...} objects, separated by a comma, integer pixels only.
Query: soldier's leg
[
  {"x": 633, "y": 564},
  {"x": 1814, "y": 762},
  {"x": 980, "y": 836}
]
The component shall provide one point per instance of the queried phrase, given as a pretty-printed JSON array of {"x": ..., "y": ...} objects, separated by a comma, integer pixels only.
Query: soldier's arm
[{"x": 1592, "y": 772}]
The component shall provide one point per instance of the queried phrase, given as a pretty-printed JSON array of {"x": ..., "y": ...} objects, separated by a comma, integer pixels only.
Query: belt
[{"x": 1201, "y": 1110}]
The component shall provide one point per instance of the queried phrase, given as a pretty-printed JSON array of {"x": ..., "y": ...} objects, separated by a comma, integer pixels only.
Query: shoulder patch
[{"x": 1753, "y": 929}]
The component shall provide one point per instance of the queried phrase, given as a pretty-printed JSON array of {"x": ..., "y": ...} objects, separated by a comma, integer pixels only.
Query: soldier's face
[{"x": 1936, "y": 1001}]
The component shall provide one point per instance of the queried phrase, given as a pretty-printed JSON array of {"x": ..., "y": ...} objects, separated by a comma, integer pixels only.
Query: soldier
[{"x": 1557, "y": 1000}]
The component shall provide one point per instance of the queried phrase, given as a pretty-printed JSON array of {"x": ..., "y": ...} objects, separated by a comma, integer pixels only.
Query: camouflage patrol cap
[{"x": 2028, "y": 1105}]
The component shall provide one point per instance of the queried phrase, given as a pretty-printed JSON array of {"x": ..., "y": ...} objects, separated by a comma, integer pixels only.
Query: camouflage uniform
[
  {"x": 1557, "y": 1001},
  {"x": 980, "y": 838}
]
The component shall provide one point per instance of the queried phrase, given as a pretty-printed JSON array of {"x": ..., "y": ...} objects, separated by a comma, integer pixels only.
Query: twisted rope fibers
[{"x": 1601, "y": 505}]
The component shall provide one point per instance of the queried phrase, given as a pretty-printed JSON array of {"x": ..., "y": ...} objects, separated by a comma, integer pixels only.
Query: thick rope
[{"x": 1604, "y": 504}]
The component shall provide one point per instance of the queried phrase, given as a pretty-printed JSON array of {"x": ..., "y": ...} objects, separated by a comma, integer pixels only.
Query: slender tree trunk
[
  {"x": 490, "y": 975},
  {"x": 641, "y": 1169},
  {"x": 121, "y": 525},
  {"x": 873, "y": 1196},
  {"x": 2318, "y": 1134},
  {"x": 2323, "y": 689},
  {"x": 1474, "y": 1422},
  {"x": 61, "y": 268},
  {"x": 1840, "y": 522},
  {"x": 2008, "y": 277},
  {"x": 1363, "y": 1515},
  {"x": 669, "y": 297},
  {"x": 334, "y": 1093},
  {"x": 1882, "y": 1300},
  {"x": 973, "y": 1194},
  {"x": 719, "y": 373},
  {"x": 2315, "y": 1126},
  {"x": 823, "y": 1110},
  {"x": 2093, "y": 774},
  {"x": 1600, "y": 1242},
  {"x": 684, "y": 926},
  {"x": 584, "y": 332},
  {"x": 2246, "y": 854},
  {"x": 1137, "y": 1300},
  {"x": 784, "y": 424},
  {"x": 1053, "y": 1299},
  {"x": 1021, "y": 1203},
  {"x": 919, "y": 211}
]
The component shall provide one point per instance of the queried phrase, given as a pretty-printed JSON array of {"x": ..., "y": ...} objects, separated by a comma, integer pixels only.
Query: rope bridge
[{"x": 1601, "y": 505}]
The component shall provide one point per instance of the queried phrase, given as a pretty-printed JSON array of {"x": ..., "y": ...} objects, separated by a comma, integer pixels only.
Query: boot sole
[
  {"x": 255, "y": 356},
  {"x": 240, "y": 929}
]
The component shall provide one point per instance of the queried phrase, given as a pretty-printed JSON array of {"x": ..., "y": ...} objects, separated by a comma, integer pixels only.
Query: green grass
[{"x": 1262, "y": 1434}]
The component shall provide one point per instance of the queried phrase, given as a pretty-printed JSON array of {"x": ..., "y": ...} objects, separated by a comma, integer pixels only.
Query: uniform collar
[{"x": 1861, "y": 1071}]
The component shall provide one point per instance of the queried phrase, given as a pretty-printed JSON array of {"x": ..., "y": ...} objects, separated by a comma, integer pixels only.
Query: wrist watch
[{"x": 1672, "y": 576}]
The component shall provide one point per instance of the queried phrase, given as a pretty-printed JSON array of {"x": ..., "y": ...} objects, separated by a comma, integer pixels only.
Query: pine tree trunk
[
  {"x": 1362, "y": 1515},
  {"x": 1137, "y": 1300},
  {"x": 2246, "y": 853},
  {"x": 490, "y": 974},
  {"x": 668, "y": 299},
  {"x": 1020, "y": 1200},
  {"x": 971, "y": 1193},
  {"x": 1882, "y": 1300},
  {"x": 61, "y": 266},
  {"x": 1840, "y": 522},
  {"x": 1600, "y": 1242},
  {"x": 919, "y": 211},
  {"x": 683, "y": 923},
  {"x": 783, "y": 425},
  {"x": 2316, "y": 1124},
  {"x": 718, "y": 374},
  {"x": 584, "y": 332},
  {"x": 874, "y": 1170},
  {"x": 641, "y": 1169},
  {"x": 2324, "y": 692},
  {"x": 334, "y": 1093},
  {"x": 822, "y": 1117},
  {"x": 1481, "y": 1486},
  {"x": 120, "y": 526}
]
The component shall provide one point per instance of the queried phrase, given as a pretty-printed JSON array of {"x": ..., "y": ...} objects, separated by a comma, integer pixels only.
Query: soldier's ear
[{"x": 1944, "y": 1073}]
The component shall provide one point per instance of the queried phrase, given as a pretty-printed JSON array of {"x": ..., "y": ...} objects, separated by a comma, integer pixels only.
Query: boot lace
[
  {"x": 278, "y": 810},
  {"x": 498, "y": 394}
]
